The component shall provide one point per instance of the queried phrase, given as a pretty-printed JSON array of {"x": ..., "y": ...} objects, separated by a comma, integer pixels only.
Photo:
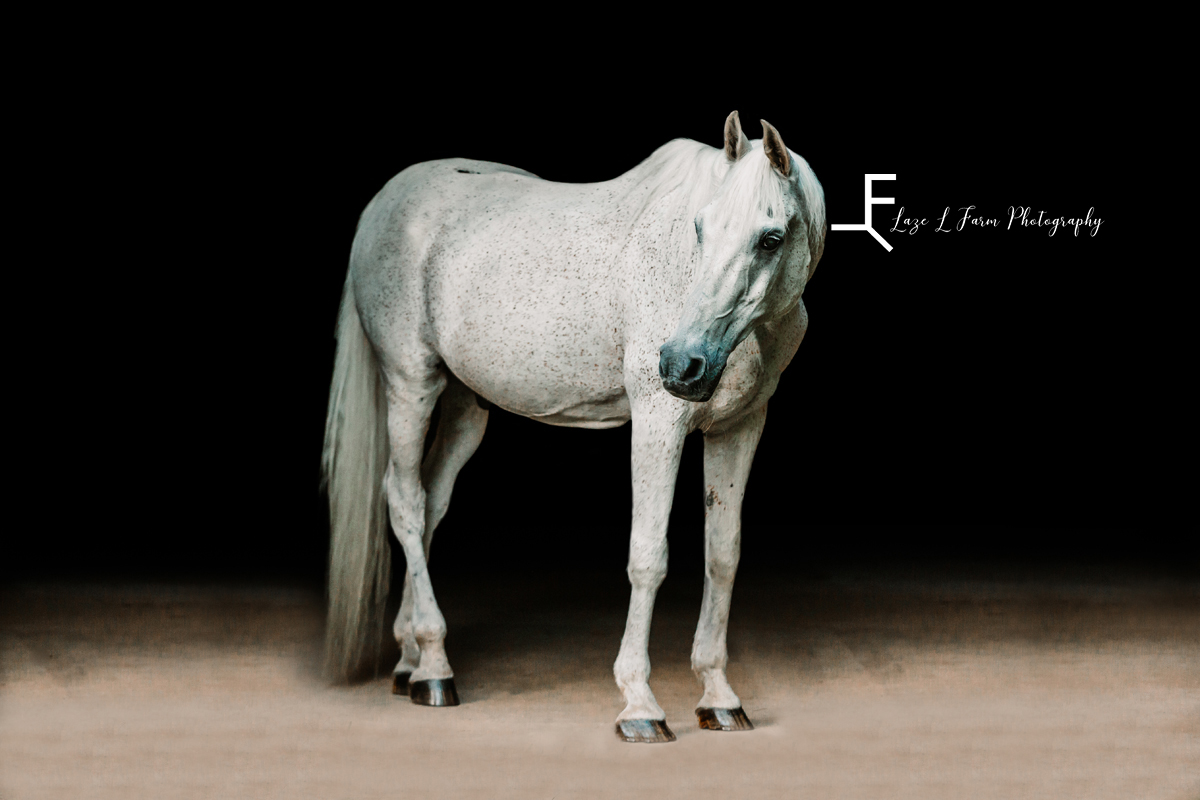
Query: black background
[{"x": 984, "y": 394}]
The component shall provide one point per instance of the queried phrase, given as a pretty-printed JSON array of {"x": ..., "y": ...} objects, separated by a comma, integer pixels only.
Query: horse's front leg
[
  {"x": 727, "y": 456},
  {"x": 657, "y": 444}
]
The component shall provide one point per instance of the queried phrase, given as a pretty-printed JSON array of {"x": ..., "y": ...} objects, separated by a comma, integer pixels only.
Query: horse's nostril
[{"x": 695, "y": 369}]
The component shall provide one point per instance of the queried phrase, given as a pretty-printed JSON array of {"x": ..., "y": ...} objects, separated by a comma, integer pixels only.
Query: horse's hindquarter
[{"x": 512, "y": 279}]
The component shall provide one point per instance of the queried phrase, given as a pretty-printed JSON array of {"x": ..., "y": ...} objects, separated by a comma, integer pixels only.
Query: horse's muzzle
[{"x": 688, "y": 373}]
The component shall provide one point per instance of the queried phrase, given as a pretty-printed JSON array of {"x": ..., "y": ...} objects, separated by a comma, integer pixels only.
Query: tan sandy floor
[{"x": 860, "y": 687}]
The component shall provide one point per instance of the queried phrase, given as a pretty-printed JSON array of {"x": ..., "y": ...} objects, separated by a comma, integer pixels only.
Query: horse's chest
[
  {"x": 752, "y": 372},
  {"x": 746, "y": 382}
]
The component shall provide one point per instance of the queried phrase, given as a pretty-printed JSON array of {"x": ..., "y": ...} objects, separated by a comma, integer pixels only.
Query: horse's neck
[{"x": 665, "y": 193}]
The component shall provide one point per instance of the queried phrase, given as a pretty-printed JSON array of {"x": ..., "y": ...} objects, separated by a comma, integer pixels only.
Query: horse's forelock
[{"x": 752, "y": 186}]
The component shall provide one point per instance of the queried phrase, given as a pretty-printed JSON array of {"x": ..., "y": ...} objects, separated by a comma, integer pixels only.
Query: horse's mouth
[
  {"x": 690, "y": 393},
  {"x": 696, "y": 391}
]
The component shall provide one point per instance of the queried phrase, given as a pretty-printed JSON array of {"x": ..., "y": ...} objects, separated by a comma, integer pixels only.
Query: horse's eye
[
  {"x": 699, "y": 236},
  {"x": 770, "y": 241}
]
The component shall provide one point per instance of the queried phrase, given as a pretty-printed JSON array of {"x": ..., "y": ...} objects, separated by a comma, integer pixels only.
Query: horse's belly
[
  {"x": 548, "y": 355},
  {"x": 608, "y": 413},
  {"x": 575, "y": 392}
]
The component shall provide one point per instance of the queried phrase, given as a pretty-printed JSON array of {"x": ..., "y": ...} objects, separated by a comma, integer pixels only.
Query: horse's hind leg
[
  {"x": 727, "y": 457},
  {"x": 411, "y": 395},
  {"x": 460, "y": 430}
]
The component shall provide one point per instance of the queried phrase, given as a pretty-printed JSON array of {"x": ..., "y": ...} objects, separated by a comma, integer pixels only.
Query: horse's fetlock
[
  {"x": 706, "y": 661},
  {"x": 429, "y": 632}
]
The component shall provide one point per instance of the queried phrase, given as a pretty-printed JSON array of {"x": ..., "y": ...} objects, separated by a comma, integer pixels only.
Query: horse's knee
[
  {"x": 647, "y": 577},
  {"x": 648, "y": 574},
  {"x": 721, "y": 567},
  {"x": 647, "y": 561}
]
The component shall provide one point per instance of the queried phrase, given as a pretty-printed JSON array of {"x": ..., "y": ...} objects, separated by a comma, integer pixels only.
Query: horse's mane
[
  {"x": 687, "y": 174},
  {"x": 688, "y": 168}
]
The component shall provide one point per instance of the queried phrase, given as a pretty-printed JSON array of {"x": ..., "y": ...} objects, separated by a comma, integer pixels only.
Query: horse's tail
[{"x": 353, "y": 464}]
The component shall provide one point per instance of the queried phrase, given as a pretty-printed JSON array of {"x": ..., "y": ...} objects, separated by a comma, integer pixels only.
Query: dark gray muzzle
[{"x": 690, "y": 373}]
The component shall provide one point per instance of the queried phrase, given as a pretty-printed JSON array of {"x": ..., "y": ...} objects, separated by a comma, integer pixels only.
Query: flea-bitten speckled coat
[{"x": 669, "y": 296}]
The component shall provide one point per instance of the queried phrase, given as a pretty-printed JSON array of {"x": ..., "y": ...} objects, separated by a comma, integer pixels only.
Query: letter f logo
[{"x": 869, "y": 201}]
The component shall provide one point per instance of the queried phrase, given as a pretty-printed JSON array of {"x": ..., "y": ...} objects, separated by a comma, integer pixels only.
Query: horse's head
[{"x": 759, "y": 240}]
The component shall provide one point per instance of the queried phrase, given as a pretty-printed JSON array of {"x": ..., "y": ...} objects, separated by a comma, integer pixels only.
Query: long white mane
[{"x": 689, "y": 174}]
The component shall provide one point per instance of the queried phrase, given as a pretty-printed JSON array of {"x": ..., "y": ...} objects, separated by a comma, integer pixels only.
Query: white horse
[{"x": 669, "y": 297}]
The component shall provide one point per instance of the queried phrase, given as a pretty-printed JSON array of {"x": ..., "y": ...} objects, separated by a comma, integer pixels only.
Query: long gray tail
[{"x": 353, "y": 464}]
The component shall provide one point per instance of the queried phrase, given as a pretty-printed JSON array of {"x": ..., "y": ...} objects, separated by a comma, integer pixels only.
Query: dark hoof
[
  {"x": 433, "y": 692},
  {"x": 644, "y": 730},
  {"x": 724, "y": 719},
  {"x": 400, "y": 682}
]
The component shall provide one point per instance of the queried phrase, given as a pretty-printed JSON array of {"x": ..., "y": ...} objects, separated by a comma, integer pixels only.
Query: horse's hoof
[
  {"x": 433, "y": 692},
  {"x": 644, "y": 730},
  {"x": 400, "y": 682},
  {"x": 724, "y": 719}
]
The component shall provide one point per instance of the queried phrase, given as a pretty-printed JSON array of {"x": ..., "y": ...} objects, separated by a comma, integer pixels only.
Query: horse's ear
[
  {"x": 774, "y": 149},
  {"x": 736, "y": 143}
]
